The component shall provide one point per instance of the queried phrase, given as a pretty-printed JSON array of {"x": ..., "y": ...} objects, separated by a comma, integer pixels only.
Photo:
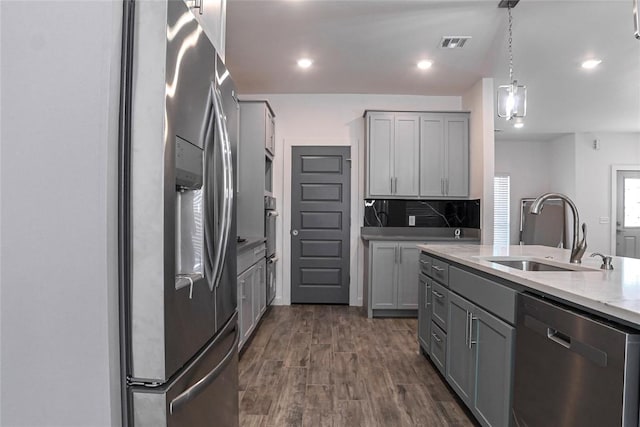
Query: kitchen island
[{"x": 520, "y": 331}]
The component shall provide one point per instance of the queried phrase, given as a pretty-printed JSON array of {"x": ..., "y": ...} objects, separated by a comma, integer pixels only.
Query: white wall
[
  {"x": 527, "y": 164},
  {"x": 479, "y": 101},
  {"x": 330, "y": 120},
  {"x": 593, "y": 181},
  {"x": 58, "y": 271},
  {"x": 570, "y": 165}
]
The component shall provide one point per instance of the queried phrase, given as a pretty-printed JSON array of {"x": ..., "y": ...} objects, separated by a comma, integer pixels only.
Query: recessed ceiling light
[
  {"x": 591, "y": 63},
  {"x": 304, "y": 62},
  {"x": 425, "y": 64},
  {"x": 518, "y": 125}
]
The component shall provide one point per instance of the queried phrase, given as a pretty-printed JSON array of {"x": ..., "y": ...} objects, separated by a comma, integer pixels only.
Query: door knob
[{"x": 294, "y": 232}]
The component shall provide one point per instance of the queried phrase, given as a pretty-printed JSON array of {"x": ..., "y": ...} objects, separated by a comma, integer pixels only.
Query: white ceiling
[{"x": 372, "y": 46}]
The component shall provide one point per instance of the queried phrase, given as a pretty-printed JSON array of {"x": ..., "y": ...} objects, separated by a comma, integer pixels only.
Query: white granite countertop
[{"x": 615, "y": 294}]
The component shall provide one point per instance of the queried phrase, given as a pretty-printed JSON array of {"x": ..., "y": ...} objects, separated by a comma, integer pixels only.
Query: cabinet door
[
  {"x": 383, "y": 264},
  {"x": 406, "y": 156},
  {"x": 270, "y": 131},
  {"x": 440, "y": 306},
  {"x": 424, "y": 312},
  {"x": 457, "y": 155},
  {"x": 432, "y": 155},
  {"x": 262, "y": 279},
  {"x": 459, "y": 365},
  {"x": 493, "y": 357},
  {"x": 380, "y": 154},
  {"x": 407, "y": 274},
  {"x": 212, "y": 18},
  {"x": 245, "y": 303}
]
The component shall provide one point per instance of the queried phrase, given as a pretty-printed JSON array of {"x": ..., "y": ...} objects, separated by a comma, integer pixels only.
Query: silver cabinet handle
[
  {"x": 426, "y": 296},
  {"x": 438, "y": 269},
  {"x": 272, "y": 213},
  {"x": 244, "y": 293},
  {"x": 466, "y": 329},
  {"x": 471, "y": 319},
  {"x": 391, "y": 183},
  {"x": 424, "y": 262},
  {"x": 437, "y": 294},
  {"x": 446, "y": 180},
  {"x": 198, "y": 387},
  {"x": 436, "y": 337}
]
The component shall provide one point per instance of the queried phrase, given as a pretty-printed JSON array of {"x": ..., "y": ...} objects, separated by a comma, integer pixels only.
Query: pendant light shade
[
  {"x": 512, "y": 101},
  {"x": 512, "y": 98}
]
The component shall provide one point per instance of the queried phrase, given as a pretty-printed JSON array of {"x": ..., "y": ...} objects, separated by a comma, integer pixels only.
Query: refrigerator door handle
[
  {"x": 220, "y": 252},
  {"x": 193, "y": 391}
]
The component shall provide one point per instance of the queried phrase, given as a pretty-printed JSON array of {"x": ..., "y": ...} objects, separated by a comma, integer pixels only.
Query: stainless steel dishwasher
[{"x": 572, "y": 370}]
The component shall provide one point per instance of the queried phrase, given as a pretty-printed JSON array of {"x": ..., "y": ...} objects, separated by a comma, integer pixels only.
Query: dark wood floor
[{"x": 331, "y": 366}]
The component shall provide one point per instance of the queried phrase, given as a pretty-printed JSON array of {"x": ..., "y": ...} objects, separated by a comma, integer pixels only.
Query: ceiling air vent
[{"x": 454, "y": 42}]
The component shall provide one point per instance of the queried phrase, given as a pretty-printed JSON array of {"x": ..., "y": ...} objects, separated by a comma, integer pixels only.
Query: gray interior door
[
  {"x": 320, "y": 216},
  {"x": 628, "y": 214}
]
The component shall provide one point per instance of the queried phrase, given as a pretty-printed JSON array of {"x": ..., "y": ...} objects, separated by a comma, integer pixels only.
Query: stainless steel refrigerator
[{"x": 179, "y": 124}]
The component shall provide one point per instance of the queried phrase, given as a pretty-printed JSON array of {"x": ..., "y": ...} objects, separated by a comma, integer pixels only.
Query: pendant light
[{"x": 512, "y": 98}]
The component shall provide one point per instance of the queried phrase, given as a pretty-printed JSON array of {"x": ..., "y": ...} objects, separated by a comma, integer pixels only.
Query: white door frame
[{"x": 614, "y": 200}]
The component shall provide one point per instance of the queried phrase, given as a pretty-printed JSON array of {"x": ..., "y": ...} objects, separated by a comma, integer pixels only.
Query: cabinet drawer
[
  {"x": 425, "y": 264},
  {"x": 440, "y": 271},
  {"x": 438, "y": 347},
  {"x": 493, "y": 297},
  {"x": 250, "y": 256},
  {"x": 439, "y": 304}
]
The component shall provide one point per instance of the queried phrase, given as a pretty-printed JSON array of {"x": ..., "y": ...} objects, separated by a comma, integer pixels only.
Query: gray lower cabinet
[
  {"x": 393, "y": 268},
  {"x": 479, "y": 360},
  {"x": 259, "y": 280},
  {"x": 245, "y": 305},
  {"x": 424, "y": 312},
  {"x": 252, "y": 298},
  {"x": 407, "y": 269}
]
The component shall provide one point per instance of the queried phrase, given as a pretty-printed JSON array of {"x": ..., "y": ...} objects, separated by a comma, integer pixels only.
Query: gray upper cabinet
[
  {"x": 393, "y": 155},
  {"x": 444, "y": 155},
  {"x": 406, "y": 155},
  {"x": 270, "y": 131},
  {"x": 456, "y": 151},
  {"x": 417, "y": 155},
  {"x": 393, "y": 270},
  {"x": 479, "y": 360},
  {"x": 256, "y": 134}
]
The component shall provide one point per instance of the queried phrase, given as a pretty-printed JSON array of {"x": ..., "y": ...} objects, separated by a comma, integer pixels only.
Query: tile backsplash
[{"x": 422, "y": 213}]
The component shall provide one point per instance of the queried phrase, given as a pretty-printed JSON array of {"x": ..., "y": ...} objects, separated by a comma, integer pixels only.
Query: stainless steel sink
[{"x": 529, "y": 265}]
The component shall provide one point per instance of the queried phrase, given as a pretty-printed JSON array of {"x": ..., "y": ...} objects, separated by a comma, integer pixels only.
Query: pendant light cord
[{"x": 510, "y": 44}]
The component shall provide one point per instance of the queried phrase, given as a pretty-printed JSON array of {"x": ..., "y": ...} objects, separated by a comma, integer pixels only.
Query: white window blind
[{"x": 501, "y": 210}]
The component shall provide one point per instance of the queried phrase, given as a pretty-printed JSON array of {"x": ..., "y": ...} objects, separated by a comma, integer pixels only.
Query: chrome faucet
[{"x": 578, "y": 247}]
